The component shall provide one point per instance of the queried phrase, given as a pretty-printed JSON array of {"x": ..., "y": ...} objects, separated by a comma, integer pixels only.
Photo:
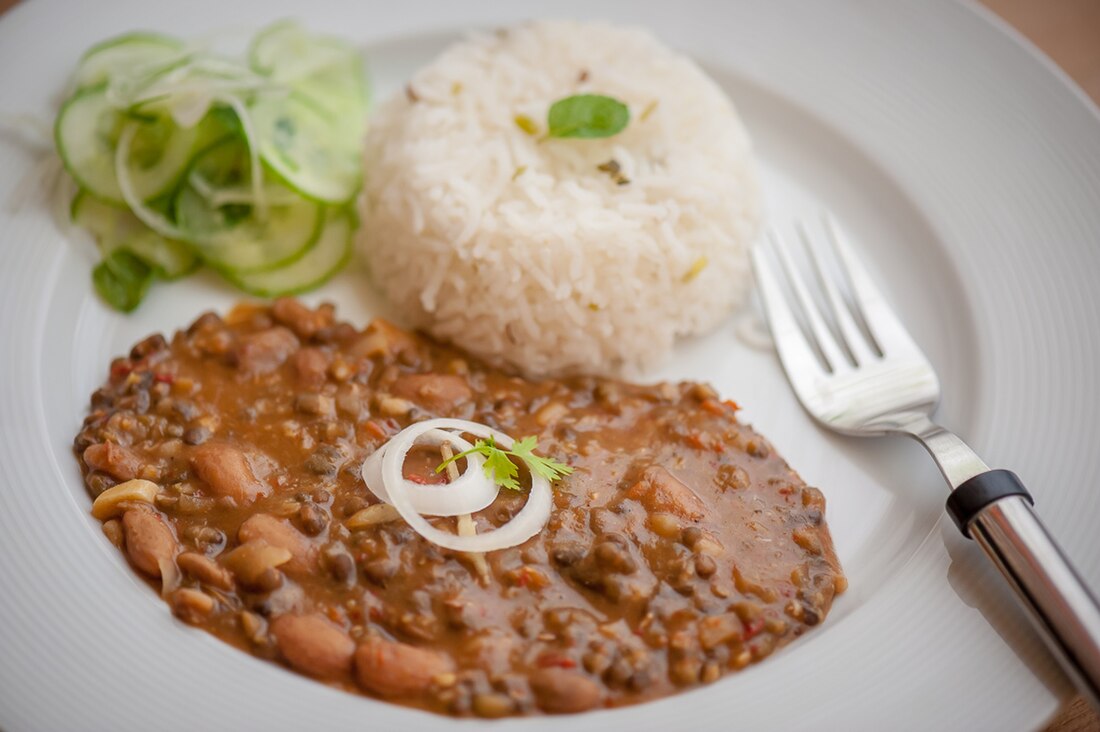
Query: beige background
[{"x": 1068, "y": 31}]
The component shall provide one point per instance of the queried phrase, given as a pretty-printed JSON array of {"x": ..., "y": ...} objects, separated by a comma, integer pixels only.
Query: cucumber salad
[{"x": 185, "y": 157}]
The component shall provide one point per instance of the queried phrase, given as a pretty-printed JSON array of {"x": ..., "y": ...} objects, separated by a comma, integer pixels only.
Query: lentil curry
[{"x": 226, "y": 465}]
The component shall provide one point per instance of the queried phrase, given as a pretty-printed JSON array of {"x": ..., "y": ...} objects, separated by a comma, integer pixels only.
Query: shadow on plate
[{"x": 980, "y": 586}]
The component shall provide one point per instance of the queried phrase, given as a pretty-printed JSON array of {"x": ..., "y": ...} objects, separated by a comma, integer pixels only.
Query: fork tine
[
  {"x": 799, "y": 360},
  {"x": 887, "y": 330},
  {"x": 826, "y": 342},
  {"x": 850, "y": 333}
]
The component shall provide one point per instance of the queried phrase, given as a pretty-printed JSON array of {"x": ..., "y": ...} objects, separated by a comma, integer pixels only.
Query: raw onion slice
[
  {"x": 248, "y": 130},
  {"x": 470, "y": 492},
  {"x": 151, "y": 218},
  {"x": 525, "y": 524}
]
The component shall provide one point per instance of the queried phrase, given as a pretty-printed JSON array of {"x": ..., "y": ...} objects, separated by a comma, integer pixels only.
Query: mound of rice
[{"x": 522, "y": 249}]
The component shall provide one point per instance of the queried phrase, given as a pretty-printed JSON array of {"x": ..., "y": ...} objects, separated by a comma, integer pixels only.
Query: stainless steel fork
[{"x": 856, "y": 370}]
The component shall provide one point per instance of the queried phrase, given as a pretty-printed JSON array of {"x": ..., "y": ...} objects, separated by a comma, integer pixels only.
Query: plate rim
[{"x": 6, "y": 368}]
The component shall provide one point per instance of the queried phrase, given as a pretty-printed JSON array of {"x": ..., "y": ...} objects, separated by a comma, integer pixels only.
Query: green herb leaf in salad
[
  {"x": 500, "y": 468},
  {"x": 587, "y": 116},
  {"x": 122, "y": 280}
]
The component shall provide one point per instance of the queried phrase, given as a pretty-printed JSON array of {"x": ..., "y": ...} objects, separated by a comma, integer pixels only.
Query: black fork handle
[{"x": 995, "y": 510}]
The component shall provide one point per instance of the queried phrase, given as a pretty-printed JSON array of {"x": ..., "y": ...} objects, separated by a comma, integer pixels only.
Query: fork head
[{"x": 851, "y": 363}]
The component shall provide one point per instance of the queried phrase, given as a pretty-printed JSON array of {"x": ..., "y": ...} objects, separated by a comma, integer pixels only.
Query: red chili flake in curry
[{"x": 681, "y": 547}]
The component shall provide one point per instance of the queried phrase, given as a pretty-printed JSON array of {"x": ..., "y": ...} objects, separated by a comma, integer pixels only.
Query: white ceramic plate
[{"x": 964, "y": 166}]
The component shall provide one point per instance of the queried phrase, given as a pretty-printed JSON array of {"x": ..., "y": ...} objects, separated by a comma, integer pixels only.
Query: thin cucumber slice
[
  {"x": 124, "y": 54},
  {"x": 285, "y": 50},
  {"x": 86, "y": 134},
  {"x": 326, "y": 257},
  {"x": 117, "y": 228},
  {"x": 306, "y": 148},
  {"x": 247, "y": 245},
  {"x": 234, "y": 237},
  {"x": 326, "y": 73},
  {"x": 217, "y": 196},
  {"x": 326, "y": 67}
]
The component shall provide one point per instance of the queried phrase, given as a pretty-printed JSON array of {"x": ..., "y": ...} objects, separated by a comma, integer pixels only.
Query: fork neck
[{"x": 955, "y": 459}]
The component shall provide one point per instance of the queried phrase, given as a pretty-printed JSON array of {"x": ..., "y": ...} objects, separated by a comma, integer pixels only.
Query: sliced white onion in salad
[
  {"x": 259, "y": 201},
  {"x": 399, "y": 491},
  {"x": 151, "y": 218}
]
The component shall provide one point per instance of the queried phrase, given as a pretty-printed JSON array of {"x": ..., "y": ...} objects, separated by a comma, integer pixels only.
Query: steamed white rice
[{"x": 520, "y": 249}]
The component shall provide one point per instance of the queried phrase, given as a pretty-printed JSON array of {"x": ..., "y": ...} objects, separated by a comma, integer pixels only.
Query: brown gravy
[{"x": 681, "y": 548}]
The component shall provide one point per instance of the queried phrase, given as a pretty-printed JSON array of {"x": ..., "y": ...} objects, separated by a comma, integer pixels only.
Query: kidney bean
[
  {"x": 205, "y": 570},
  {"x": 226, "y": 469},
  {"x": 661, "y": 491},
  {"x": 303, "y": 320},
  {"x": 392, "y": 669},
  {"x": 263, "y": 352},
  {"x": 311, "y": 366},
  {"x": 265, "y": 528},
  {"x": 439, "y": 393},
  {"x": 115, "y": 460},
  {"x": 560, "y": 691},
  {"x": 149, "y": 541},
  {"x": 314, "y": 645},
  {"x": 191, "y": 605}
]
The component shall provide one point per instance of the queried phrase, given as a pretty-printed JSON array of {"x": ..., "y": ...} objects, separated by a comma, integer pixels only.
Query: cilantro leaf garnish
[{"x": 499, "y": 467}]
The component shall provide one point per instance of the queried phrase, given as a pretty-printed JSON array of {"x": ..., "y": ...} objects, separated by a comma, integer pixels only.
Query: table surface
[{"x": 1067, "y": 31}]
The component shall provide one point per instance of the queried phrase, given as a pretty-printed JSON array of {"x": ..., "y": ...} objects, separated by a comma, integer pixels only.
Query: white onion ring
[
  {"x": 468, "y": 493},
  {"x": 525, "y": 524}
]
